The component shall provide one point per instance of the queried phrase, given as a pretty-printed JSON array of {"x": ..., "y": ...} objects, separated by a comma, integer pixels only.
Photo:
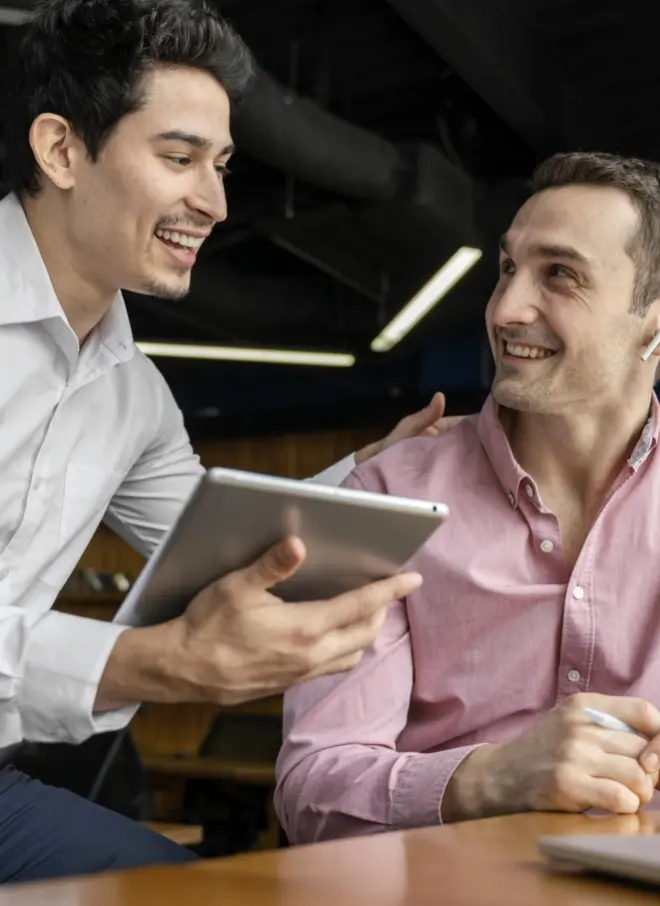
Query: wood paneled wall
[{"x": 292, "y": 455}]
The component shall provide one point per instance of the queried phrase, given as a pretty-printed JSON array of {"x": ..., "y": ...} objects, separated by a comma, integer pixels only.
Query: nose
[
  {"x": 513, "y": 301},
  {"x": 209, "y": 197}
]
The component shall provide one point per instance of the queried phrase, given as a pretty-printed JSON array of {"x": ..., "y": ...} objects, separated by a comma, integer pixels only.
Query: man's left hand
[{"x": 428, "y": 422}]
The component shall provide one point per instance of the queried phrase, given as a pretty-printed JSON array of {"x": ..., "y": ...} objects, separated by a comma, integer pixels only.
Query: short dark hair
[
  {"x": 640, "y": 180},
  {"x": 85, "y": 61}
]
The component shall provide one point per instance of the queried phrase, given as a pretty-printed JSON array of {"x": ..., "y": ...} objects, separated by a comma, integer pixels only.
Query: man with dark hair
[
  {"x": 118, "y": 145},
  {"x": 540, "y": 606}
]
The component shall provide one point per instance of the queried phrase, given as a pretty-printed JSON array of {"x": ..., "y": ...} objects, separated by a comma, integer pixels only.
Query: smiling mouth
[
  {"x": 526, "y": 351},
  {"x": 178, "y": 240}
]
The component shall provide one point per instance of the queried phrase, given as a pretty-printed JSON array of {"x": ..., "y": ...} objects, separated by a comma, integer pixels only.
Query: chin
[
  {"x": 521, "y": 399},
  {"x": 172, "y": 290},
  {"x": 172, "y": 293}
]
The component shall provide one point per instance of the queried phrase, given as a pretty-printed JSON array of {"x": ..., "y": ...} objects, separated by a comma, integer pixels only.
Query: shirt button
[
  {"x": 574, "y": 676},
  {"x": 547, "y": 547},
  {"x": 512, "y": 498},
  {"x": 529, "y": 490},
  {"x": 578, "y": 592}
]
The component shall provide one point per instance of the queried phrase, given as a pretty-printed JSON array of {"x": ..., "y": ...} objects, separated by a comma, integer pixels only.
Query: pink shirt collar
[{"x": 509, "y": 473}]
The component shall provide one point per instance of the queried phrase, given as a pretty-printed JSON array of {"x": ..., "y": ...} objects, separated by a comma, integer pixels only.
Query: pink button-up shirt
[{"x": 494, "y": 637}]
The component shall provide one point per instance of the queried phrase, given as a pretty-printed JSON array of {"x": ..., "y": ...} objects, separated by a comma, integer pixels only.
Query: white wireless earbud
[{"x": 653, "y": 345}]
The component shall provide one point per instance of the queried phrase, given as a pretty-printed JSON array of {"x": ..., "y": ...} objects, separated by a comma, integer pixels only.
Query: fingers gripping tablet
[{"x": 351, "y": 538}]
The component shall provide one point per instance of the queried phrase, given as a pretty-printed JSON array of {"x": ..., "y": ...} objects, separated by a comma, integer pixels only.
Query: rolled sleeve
[
  {"x": 421, "y": 784},
  {"x": 65, "y": 657}
]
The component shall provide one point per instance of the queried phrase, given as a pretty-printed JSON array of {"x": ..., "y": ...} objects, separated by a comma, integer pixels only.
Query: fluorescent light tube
[
  {"x": 11, "y": 16},
  {"x": 428, "y": 296},
  {"x": 240, "y": 354}
]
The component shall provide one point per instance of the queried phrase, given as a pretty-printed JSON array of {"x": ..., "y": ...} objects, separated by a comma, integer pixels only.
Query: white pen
[{"x": 607, "y": 721}]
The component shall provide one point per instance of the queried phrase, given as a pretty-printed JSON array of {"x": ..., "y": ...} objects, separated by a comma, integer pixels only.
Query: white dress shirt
[{"x": 85, "y": 434}]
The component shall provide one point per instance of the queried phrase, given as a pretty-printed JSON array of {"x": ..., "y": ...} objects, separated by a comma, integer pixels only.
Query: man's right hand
[
  {"x": 237, "y": 641},
  {"x": 563, "y": 762}
]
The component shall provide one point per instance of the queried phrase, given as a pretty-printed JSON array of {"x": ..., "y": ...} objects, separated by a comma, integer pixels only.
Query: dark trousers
[{"x": 46, "y": 832}]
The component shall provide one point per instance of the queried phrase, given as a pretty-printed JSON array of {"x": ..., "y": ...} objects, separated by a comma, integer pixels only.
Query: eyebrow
[
  {"x": 195, "y": 141},
  {"x": 543, "y": 250}
]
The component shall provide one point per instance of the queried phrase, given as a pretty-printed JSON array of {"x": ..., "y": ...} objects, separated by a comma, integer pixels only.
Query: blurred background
[
  {"x": 383, "y": 136},
  {"x": 384, "y": 139}
]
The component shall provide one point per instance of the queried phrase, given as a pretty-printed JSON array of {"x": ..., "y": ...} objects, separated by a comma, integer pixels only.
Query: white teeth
[
  {"x": 189, "y": 242},
  {"x": 528, "y": 352}
]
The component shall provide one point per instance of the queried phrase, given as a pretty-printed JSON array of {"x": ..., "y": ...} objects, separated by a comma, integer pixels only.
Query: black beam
[
  {"x": 496, "y": 50},
  {"x": 331, "y": 240}
]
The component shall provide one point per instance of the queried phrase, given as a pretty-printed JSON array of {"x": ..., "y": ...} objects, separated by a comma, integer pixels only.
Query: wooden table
[{"x": 493, "y": 862}]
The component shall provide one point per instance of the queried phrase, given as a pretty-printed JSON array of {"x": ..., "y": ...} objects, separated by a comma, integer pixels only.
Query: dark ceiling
[{"x": 382, "y": 135}]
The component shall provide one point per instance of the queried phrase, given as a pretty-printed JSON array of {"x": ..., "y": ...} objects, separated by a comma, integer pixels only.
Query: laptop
[{"x": 635, "y": 857}]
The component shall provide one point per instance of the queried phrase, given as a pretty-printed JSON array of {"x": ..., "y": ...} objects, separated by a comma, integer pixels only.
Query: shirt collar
[
  {"x": 649, "y": 437},
  {"x": 512, "y": 477},
  {"x": 115, "y": 332},
  {"x": 499, "y": 452},
  {"x": 26, "y": 291}
]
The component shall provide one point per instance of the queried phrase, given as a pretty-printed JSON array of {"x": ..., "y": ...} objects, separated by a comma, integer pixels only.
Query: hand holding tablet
[
  {"x": 352, "y": 538},
  {"x": 213, "y": 613},
  {"x": 280, "y": 644}
]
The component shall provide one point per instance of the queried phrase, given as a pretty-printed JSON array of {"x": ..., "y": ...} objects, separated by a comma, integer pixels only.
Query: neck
[
  {"x": 83, "y": 301},
  {"x": 581, "y": 454}
]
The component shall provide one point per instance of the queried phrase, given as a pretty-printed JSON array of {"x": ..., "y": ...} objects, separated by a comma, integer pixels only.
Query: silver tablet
[{"x": 352, "y": 538}]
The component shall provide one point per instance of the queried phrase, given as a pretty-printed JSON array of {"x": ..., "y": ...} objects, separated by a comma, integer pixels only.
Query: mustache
[
  {"x": 523, "y": 337},
  {"x": 169, "y": 223}
]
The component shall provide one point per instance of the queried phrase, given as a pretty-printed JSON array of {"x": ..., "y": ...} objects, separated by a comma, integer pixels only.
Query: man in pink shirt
[{"x": 541, "y": 595}]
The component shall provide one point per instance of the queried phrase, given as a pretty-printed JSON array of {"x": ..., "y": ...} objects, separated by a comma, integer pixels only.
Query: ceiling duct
[{"x": 298, "y": 137}]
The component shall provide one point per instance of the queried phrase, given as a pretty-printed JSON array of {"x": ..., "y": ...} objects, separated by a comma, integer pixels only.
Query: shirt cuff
[
  {"x": 64, "y": 662},
  {"x": 421, "y": 782},
  {"x": 336, "y": 474}
]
